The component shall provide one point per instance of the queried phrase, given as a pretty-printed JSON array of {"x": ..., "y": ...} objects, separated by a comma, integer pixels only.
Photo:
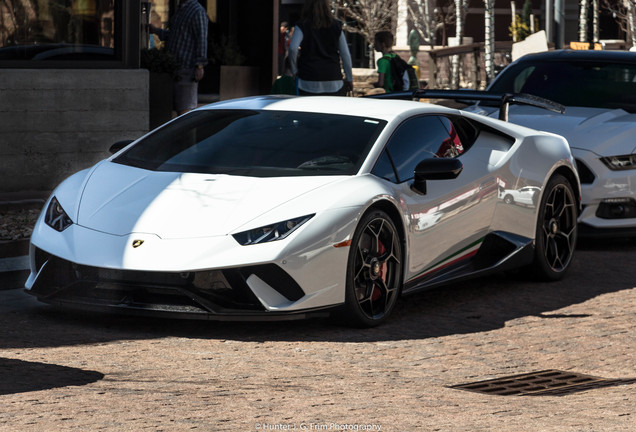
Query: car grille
[
  {"x": 214, "y": 291},
  {"x": 617, "y": 209}
]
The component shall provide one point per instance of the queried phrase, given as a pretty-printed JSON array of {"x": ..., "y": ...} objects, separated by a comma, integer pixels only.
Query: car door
[{"x": 446, "y": 223}]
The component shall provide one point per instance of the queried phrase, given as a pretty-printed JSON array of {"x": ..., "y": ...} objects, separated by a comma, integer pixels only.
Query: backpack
[{"x": 403, "y": 75}]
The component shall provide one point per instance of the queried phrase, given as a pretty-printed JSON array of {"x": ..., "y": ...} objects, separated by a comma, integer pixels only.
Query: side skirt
[{"x": 498, "y": 252}]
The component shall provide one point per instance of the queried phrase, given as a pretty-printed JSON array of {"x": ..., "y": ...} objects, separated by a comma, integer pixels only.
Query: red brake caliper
[{"x": 376, "y": 289}]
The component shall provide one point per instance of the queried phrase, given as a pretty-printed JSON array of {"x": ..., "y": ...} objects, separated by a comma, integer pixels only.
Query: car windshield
[
  {"x": 257, "y": 143},
  {"x": 573, "y": 83}
]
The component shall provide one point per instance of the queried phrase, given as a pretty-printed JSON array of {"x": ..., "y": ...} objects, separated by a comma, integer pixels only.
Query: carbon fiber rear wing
[{"x": 503, "y": 99}]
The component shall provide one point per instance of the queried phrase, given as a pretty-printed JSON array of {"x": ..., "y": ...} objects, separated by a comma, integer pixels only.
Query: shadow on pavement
[
  {"x": 20, "y": 376},
  {"x": 474, "y": 306}
]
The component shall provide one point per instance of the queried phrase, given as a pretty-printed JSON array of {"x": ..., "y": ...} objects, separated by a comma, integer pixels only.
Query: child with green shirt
[{"x": 383, "y": 42}]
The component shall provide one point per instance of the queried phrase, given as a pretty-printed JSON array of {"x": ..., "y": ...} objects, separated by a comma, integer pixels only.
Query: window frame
[
  {"x": 466, "y": 131},
  {"x": 126, "y": 50}
]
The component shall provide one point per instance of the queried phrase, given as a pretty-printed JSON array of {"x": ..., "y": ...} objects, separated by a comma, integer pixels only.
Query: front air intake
[{"x": 585, "y": 174}]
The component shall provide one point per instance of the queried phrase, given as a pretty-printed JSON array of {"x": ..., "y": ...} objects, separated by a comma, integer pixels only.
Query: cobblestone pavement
[{"x": 62, "y": 371}]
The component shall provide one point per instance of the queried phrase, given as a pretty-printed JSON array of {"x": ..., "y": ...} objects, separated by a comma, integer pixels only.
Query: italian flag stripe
[{"x": 458, "y": 256}]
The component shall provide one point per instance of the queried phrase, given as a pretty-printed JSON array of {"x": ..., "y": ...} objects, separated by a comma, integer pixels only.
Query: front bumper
[
  {"x": 225, "y": 294},
  {"x": 591, "y": 232},
  {"x": 608, "y": 198}
]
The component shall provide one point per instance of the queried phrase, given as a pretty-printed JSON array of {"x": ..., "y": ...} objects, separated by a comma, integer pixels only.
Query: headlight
[
  {"x": 273, "y": 232},
  {"x": 56, "y": 217},
  {"x": 617, "y": 163}
]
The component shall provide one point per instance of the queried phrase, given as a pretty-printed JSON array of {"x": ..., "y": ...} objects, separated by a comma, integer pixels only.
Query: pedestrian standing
[
  {"x": 383, "y": 43},
  {"x": 317, "y": 48},
  {"x": 285, "y": 83},
  {"x": 187, "y": 40},
  {"x": 283, "y": 44}
]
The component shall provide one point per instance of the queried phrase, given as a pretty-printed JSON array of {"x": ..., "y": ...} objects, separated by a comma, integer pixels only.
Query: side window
[
  {"x": 522, "y": 78},
  {"x": 384, "y": 169},
  {"x": 421, "y": 138},
  {"x": 452, "y": 146}
]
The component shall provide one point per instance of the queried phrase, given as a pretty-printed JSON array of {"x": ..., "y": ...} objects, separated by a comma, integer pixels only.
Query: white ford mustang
[
  {"x": 284, "y": 207},
  {"x": 598, "y": 89}
]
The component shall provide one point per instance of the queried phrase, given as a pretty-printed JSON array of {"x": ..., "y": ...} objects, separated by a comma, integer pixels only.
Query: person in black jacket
[
  {"x": 187, "y": 41},
  {"x": 316, "y": 50}
]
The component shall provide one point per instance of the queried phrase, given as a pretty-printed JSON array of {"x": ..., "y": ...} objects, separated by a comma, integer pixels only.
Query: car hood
[
  {"x": 602, "y": 131},
  {"x": 120, "y": 200}
]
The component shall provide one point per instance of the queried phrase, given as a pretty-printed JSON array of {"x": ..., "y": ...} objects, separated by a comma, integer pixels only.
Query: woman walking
[{"x": 317, "y": 48}]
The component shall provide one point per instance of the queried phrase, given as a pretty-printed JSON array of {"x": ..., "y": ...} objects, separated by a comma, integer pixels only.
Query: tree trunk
[
  {"x": 513, "y": 13},
  {"x": 595, "y": 21},
  {"x": 583, "y": 21},
  {"x": 489, "y": 39},
  {"x": 459, "y": 35},
  {"x": 429, "y": 19},
  {"x": 631, "y": 22}
]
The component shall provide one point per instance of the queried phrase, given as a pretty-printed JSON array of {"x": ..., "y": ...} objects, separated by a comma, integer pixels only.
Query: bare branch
[{"x": 367, "y": 17}]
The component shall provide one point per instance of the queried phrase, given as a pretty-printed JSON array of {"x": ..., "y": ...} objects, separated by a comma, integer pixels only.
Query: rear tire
[
  {"x": 374, "y": 271},
  {"x": 556, "y": 232}
]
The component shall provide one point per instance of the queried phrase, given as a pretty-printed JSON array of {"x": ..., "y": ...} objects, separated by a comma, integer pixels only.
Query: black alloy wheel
[
  {"x": 374, "y": 270},
  {"x": 556, "y": 229}
]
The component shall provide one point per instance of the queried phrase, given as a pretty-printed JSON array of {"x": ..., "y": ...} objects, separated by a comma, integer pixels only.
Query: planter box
[{"x": 238, "y": 81}]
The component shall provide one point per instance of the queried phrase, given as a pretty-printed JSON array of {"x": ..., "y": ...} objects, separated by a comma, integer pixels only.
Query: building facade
[{"x": 71, "y": 83}]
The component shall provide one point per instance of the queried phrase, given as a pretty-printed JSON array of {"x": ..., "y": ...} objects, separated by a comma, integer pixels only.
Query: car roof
[
  {"x": 582, "y": 55},
  {"x": 384, "y": 109}
]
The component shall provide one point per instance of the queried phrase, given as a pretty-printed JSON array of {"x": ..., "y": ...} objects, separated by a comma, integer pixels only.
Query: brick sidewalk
[{"x": 74, "y": 372}]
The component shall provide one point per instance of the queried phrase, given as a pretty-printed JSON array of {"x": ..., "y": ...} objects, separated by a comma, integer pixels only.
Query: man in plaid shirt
[{"x": 187, "y": 40}]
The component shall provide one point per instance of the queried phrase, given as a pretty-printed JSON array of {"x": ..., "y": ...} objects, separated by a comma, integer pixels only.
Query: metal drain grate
[{"x": 543, "y": 383}]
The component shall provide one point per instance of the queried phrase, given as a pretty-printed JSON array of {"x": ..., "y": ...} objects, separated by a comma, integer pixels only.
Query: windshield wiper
[{"x": 325, "y": 161}]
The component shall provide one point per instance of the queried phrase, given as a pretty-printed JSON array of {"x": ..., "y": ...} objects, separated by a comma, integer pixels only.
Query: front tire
[
  {"x": 556, "y": 232},
  {"x": 374, "y": 271}
]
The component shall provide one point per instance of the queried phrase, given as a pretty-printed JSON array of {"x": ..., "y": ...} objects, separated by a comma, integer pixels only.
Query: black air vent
[{"x": 585, "y": 174}]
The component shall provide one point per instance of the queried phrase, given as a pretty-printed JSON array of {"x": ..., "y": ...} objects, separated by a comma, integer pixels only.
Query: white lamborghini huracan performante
[{"x": 287, "y": 207}]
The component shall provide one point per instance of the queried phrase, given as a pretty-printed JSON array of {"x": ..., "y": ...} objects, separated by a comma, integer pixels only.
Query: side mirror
[
  {"x": 435, "y": 169},
  {"x": 119, "y": 145}
]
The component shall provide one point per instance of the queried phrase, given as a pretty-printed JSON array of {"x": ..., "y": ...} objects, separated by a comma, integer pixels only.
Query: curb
[
  {"x": 18, "y": 263},
  {"x": 14, "y": 248},
  {"x": 13, "y": 280},
  {"x": 28, "y": 204},
  {"x": 14, "y": 272}
]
